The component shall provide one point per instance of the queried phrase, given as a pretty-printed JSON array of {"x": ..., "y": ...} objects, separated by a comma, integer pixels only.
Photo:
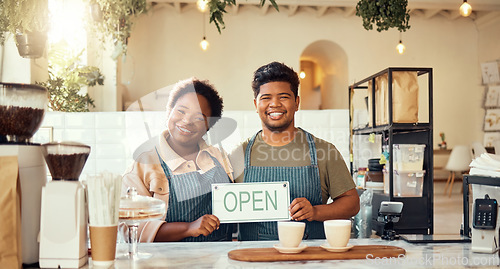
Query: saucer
[
  {"x": 335, "y": 249},
  {"x": 288, "y": 250}
]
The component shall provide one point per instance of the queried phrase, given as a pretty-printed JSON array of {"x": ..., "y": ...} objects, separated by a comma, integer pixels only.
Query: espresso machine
[
  {"x": 22, "y": 109},
  {"x": 64, "y": 216}
]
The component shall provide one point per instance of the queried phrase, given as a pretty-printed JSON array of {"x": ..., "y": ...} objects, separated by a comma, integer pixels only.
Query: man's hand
[
  {"x": 205, "y": 225},
  {"x": 301, "y": 209}
]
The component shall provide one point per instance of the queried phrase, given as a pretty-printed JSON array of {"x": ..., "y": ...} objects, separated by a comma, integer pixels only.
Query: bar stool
[{"x": 459, "y": 161}]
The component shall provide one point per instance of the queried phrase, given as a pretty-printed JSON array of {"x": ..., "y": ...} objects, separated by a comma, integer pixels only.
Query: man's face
[
  {"x": 276, "y": 105},
  {"x": 188, "y": 120}
]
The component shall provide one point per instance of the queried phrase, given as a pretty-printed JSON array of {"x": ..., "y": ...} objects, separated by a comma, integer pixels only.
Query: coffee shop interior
[{"x": 456, "y": 60}]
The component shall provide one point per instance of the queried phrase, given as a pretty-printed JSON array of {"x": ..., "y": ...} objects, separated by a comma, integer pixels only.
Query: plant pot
[{"x": 31, "y": 45}]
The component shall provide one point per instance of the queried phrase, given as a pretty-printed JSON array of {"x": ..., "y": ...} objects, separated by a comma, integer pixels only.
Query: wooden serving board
[{"x": 315, "y": 253}]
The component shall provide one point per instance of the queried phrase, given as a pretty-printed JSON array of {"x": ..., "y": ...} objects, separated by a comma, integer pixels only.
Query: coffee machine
[
  {"x": 485, "y": 218},
  {"x": 22, "y": 108},
  {"x": 64, "y": 217}
]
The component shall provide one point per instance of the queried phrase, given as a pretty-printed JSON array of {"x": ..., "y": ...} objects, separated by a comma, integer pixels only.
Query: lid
[{"x": 135, "y": 207}]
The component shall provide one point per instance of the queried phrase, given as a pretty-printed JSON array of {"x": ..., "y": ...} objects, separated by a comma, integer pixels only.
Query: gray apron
[
  {"x": 190, "y": 197},
  {"x": 304, "y": 182}
]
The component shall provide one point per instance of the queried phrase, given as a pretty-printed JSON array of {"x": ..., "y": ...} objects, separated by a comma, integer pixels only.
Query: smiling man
[{"x": 283, "y": 152}]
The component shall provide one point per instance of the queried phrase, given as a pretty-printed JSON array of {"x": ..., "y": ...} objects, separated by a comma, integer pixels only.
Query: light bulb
[
  {"x": 302, "y": 74},
  {"x": 202, "y": 5},
  {"x": 400, "y": 47},
  {"x": 465, "y": 9},
  {"x": 204, "y": 44}
]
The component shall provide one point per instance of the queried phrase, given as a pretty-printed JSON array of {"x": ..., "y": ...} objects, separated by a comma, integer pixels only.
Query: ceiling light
[
  {"x": 465, "y": 9},
  {"x": 400, "y": 47},
  {"x": 204, "y": 44},
  {"x": 302, "y": 74},
  {"x": 202, "y": 5}
]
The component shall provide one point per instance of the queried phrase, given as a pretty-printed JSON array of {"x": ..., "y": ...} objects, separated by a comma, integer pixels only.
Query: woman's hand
[
  {"x": 204, "y": 225},
  {"x": 301, "y": 209}
]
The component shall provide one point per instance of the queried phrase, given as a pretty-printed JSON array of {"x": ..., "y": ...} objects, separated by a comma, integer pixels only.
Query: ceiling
[{"x": 483, "y": 10}]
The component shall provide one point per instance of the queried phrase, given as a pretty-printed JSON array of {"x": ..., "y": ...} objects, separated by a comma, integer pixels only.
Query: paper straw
[{"x": 103, "y": 196}]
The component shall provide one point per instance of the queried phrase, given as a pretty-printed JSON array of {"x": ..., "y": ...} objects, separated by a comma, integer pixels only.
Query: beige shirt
[{"x": 148, "y": 177}]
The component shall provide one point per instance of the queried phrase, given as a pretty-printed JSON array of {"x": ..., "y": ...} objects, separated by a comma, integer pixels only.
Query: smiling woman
[{"x": 182, "y": 167}]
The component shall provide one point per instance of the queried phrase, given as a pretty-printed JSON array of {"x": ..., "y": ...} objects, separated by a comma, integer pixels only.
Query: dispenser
[
  {"x": 63, "y": 228},
  {"x": 22, "y": 109}
]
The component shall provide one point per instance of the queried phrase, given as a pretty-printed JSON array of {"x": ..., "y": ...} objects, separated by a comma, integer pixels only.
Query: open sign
[{"x": 250, "y": 202}]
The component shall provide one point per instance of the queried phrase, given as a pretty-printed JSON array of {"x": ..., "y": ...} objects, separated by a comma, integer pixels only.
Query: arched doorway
[{"x": 325, "y": 84}]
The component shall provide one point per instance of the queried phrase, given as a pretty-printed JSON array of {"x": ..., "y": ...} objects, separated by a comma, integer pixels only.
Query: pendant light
[
  {"x": 202, "y": 5},
  {"x": 400, "y": 47},
  {"x": 465, "y": 9},
  {"x": 204, "y": 43},
  {"x": 302, "y": 74}
]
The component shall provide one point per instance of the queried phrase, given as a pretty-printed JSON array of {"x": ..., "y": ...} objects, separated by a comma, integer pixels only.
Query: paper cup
[
  {"x": 103, "y": 244},
  {"x": 337, "y": 232},
  {"x": 290, "y": 233}
]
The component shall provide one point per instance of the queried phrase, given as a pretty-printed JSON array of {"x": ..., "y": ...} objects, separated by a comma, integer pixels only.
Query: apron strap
[
  {"x": 312, "y": 148},
  {"x": 249, "y": 149},
  {"x": 166, "y": 170}
]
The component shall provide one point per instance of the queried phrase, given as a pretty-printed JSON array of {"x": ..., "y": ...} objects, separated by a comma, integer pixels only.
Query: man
[{"x": 281, "y": 151}]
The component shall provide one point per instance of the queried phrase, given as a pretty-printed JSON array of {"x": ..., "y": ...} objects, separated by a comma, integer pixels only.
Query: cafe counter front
[{"x": 215, "y": 255}]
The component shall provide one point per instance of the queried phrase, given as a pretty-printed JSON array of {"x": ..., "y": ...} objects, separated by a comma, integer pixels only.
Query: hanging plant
[
  {"x": 113, "y": 20},
  {"x": 384, "y": 14},
  {"x": 218, "y": 8},
  {"x": 26, "y": 20}
]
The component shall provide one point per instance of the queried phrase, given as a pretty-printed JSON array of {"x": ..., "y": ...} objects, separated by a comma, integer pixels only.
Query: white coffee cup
[
  {"x": 337, "y": 232},
  {"x": 290, "y": 233}
]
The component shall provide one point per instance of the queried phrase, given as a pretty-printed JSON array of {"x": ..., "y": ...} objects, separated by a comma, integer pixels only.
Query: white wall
[
  {"x": 115, "y": 137},
  {"x": 164, "y": 48}
]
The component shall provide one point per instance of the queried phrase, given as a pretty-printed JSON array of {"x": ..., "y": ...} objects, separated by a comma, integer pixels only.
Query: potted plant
[
  {"x": 28, "y": 21},
  {"x": 67, "y": 77},
  {"x": 113, "y": 20},
  {"x": 384, "y": 14}
]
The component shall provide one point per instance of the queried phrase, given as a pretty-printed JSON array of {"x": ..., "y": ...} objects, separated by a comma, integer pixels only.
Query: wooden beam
[
  {"x": 349, "y": 11},
  {"x": 320, "y": 11},
  {"x": 178, "y": 7},
  {"x": 292, "y": 9},
  {"x": 429, "y": 13},
  {"x": 264, "y": 9}
]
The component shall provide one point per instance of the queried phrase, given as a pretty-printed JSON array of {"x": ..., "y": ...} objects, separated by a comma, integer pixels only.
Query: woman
[{"x": 182, "y": 167}]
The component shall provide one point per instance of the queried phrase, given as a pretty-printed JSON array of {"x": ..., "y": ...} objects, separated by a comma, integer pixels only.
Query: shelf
[
  {"x": 395, "y": 127},
  {"x": 417, "y": 211},
  {"x": 419, "y": 70}
]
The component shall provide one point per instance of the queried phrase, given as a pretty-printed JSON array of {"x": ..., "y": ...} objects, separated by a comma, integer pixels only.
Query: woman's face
[{"x": 188, "y": 119}]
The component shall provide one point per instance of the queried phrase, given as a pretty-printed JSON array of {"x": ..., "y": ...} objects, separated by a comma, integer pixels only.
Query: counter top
[{"x": 214, "y": 255}]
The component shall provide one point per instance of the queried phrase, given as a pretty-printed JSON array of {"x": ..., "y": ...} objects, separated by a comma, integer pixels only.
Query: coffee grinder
[
  {"x": 22, "y": 109},
  {"x": 63, "y": 228}
]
